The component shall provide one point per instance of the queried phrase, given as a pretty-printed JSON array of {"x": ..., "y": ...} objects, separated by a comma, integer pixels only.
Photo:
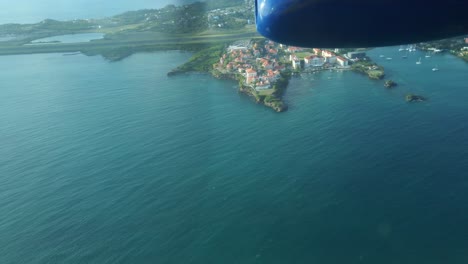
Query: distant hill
[{"x": 186, "y": 17}]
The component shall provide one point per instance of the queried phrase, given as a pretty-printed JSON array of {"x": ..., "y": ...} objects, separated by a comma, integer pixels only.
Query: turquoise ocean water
[{"x": 116, "y": 163}]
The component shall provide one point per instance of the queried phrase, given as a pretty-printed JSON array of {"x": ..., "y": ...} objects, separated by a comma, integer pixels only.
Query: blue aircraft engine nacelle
[{"x": 360, "y": 23}]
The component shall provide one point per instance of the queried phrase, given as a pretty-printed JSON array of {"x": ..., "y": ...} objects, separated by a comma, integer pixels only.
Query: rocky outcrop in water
[{"x": 414, "y": 98}]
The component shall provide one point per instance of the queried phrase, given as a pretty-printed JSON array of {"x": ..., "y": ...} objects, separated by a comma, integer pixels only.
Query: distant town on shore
[{"x": 221, "y": 35}]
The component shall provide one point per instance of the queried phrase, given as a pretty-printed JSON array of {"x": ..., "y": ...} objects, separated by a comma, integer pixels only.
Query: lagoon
[{"x": 71, "y": 38}]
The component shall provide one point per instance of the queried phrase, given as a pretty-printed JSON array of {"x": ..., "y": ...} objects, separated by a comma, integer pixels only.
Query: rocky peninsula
[
  {"x": 263, "y": 68},
  {"x": 369, "y": 68}
]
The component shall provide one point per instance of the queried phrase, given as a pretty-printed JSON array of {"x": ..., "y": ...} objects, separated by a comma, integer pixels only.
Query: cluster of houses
[
  {"x": 464, "y": 52},
  {"x": 262, "y": 64},
  {"x": 221, "y": 17}
]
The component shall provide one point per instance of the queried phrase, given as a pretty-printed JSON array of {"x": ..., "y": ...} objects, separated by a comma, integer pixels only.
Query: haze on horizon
[{"x": 33, "y": 11}]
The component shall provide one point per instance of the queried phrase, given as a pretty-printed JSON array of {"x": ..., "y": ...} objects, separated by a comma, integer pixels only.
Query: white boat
[
  {"x": 412, "y": 48},
  {"x": 419, "y": 61},
  {"x": 428, "y": 55},
  {"x": 435, "y": 69},
  {"x": 401, "y": 48},
  {"x": 389, "y": 58},
  {"x": 382, "y": 56}
]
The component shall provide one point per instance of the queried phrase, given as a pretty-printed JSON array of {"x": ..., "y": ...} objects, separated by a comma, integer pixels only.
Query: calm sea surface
[{"x": 116, "y": 163}]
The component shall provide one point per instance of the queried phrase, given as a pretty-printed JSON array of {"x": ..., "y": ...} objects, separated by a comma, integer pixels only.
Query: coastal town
[
  {"x": 264, "y": 67},
  {"x": 223, "y": 38}
]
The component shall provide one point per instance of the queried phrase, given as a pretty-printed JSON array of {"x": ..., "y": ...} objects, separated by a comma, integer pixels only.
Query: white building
[
  {"x": 329, "y": 56},
  {"x": 342, "y": 61},
  {"x": 296, "y": 64},
  {"x": 250, "y": 73},
  {"x": 292, "y": 57},
  {"x": 314, "y": 61}
]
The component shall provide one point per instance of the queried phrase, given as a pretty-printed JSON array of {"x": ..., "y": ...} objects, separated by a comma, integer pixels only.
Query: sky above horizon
[{"x": 32, "y": 11}]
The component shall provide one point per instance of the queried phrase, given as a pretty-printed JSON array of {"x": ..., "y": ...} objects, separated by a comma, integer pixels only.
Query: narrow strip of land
[{"x": 128, "y": 44}]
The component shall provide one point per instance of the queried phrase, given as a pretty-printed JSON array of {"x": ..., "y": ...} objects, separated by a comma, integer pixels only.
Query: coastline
[
  {"x": 275, "y": 103},
  {"x": 263, "y": 68},
  {"x": 212, "y": 61}
]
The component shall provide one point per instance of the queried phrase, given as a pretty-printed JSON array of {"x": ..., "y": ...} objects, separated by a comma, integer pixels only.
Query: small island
[
  {"x": 369, "y": 68},
  {"x": 390, "y": 84},
  {"x": 414, "y": 98}
]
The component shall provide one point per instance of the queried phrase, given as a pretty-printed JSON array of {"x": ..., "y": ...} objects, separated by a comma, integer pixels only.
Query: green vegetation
[
  {"x": 376, "y": 74},
  {"x": 48, "y": 27},
  {"x": 369, "y": 68},
  {"x": 272, "y": 97},
  {"x": 302, "y": 55},
  {"x": 185, "y": 27},
  {"x": 443, "y": 44},
  {"x": 414, "y": 98},
  {"x": 390, "y": 84},
  {"x": 267, "y": 92},
  {"x": 344, "y": 51},
  {"x": 275, "y": 103},
  {"x": 281, "y": 84},
  {"x": 202, "y": 61},
  {"x": 119, "y": 46},
  {"x": 463, "y": 55},
  {"x": 191, "y": 18},
  {"x": 170, "y": 19},
  {"x": 454, "y": 45},
  {"x": 215, "y": 4}
]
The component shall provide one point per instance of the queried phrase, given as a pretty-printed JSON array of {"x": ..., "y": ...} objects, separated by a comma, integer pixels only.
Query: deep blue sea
[{"x": 116, "y": 163}]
